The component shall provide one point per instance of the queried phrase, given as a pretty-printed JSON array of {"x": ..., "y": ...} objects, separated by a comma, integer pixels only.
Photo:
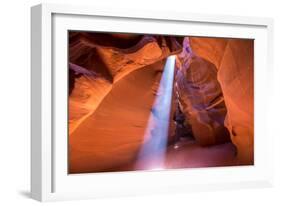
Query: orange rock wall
[
  {"x": 113, "y": 87},
  {"x": 113, "y": 81},
  {"x": 200, "y": 97},
  {"x": 234, "y": 59}
]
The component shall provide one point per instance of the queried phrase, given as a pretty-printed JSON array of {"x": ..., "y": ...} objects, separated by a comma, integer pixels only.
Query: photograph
[{"x": 140, "y": 102}]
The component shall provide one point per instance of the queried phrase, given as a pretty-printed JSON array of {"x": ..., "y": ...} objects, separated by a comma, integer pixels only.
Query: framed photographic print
[{"x": 135, "y": 102}]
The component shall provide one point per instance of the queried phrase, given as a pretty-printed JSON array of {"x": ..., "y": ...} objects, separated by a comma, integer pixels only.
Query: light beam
[{"x": 152, "y": 153}]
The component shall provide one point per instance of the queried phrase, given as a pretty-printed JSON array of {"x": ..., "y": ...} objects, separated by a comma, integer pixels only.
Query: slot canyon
[{"x": 145, "y": 102}]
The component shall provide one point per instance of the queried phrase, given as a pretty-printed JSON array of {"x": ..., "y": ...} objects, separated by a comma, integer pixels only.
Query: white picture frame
[{"x": 49, "y": 178}]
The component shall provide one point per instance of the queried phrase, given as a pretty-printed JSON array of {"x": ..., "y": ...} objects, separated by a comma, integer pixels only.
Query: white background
[{"x": 15, "y": 102}]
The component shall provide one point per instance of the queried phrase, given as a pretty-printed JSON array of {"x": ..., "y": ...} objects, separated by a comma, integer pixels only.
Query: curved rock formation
[
  {"x": 201, "y": 98},
  {"x": 113, "y": 84},
  {"x": 98, "y": 61},
  {"x": 113, "y": 133},
  {"x": 235, "y": 62}
]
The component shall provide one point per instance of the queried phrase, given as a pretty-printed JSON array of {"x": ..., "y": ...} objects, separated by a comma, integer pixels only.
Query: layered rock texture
[
  {"x": 234, "y": 59},
  {"x": 113, "y": 83},
  {"x": 200, "y": 97}
]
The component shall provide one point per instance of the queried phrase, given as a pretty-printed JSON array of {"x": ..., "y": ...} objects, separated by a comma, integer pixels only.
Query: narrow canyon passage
[
  {"x": 154, "y": 103},
  {"x": 114, "y": 134}
]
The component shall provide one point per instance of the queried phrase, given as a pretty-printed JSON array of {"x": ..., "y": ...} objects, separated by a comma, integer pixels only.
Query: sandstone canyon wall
[
  {"x": 200, "y": 97},
  {"x": 234, "y": 59},
  {"x": 113, "y": 83},
  {"x": 113, "y": 88}
]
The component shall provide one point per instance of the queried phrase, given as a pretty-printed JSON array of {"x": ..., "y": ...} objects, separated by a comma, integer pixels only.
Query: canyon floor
[{"x": 186, "y": 153}]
